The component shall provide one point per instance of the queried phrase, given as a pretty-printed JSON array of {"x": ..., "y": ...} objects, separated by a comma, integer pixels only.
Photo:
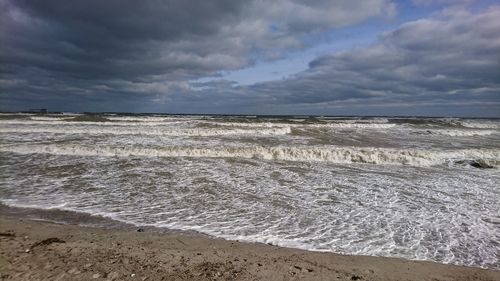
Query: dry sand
[{"x": 37, "y": 250}]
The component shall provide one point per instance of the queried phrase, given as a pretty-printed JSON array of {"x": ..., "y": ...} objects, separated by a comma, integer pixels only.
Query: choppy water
[{"x": 424, "y": 189}]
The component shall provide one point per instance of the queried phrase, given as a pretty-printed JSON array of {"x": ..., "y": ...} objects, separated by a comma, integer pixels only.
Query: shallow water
[{"x": 411, "y": 188}]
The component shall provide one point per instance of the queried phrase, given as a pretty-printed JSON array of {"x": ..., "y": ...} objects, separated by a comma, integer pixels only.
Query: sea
[{"x": 413, "y": 188}]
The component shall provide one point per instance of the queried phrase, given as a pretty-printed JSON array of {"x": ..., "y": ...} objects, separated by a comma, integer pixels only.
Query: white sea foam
[
  {"x": 484, "y": 124},
  {"x": 354, "y": 119},
  {"x": 62, "y": 122},
  {"x": 346, "y": 125},
  {"x": 46, "y": 118},
  {"x": 153, "y": 131},
  {"x": 16, "y": 203},
  {"x": 248, "y": 125},
  {"x": 167, "y": 121},
  {"x": 147, "y": 119},
  {"x": 328, "y": 208},
  {"x": 323, "y": 154},
  {"x": 303, "y": 189},
  {"x": 462, "y": 133},
  {"x": 358, "y": 125}
]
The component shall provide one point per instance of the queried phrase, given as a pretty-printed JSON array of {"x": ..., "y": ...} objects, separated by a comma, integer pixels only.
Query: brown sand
[{"x": 35, "y": 250}]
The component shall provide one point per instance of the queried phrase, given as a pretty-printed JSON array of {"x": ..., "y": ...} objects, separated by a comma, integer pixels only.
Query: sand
[{"x": 41, "y": 250}]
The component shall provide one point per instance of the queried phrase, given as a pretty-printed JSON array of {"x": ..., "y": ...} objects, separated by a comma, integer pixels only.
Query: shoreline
[{"x": 42, "y": 250}]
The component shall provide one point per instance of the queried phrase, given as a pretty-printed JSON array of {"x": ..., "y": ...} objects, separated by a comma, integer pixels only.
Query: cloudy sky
[{"x": 314, "y": 57}]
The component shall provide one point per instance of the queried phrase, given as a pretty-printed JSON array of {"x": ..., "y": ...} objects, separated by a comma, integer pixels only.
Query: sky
[{"x": 281, "y": 57}]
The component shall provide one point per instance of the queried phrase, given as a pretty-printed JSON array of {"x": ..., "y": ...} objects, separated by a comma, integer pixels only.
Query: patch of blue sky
[
  {"x": 345, "y": 39},
  {"x": 326, "y": 43}
]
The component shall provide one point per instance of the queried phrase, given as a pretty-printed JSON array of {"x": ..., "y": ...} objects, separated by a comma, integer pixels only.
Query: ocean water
[{"x": 415, "y": 188}]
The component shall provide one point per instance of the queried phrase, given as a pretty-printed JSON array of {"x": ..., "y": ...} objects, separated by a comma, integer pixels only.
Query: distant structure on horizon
[{"x": 38, "y": 110}]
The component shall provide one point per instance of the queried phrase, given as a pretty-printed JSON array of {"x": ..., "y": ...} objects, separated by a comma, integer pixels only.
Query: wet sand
[{"x": 40, "y": 250}]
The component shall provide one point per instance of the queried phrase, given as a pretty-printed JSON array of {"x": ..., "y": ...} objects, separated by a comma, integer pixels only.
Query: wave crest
[
  {"x": 152, "y": 131},
  {"x": 325, "y": 154}
]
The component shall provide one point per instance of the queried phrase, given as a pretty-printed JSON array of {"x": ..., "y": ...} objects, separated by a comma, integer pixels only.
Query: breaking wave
[
  {"x": 424, "y": 158},
  {"x": 359, "y": 125},
  {"x": 146, "y": 119},
  {"x": 347, "y": 125},
  {"x": 462, "y": 133},
  {"x": 53, "y": 118},
  {"x": 482, "y": 124},
  {"x": 64, "y": 122},
  {"x": 149, "y": 132}
]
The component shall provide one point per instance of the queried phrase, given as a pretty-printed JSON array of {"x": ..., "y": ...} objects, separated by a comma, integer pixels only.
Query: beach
[
  {"x": 250, "y": 140},
  {"x": 413, "y": 189},
  {"x": 41, "y": 250}
]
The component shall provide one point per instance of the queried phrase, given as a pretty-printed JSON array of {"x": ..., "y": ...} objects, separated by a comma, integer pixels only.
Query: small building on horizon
[{"x": 38, "y": 110}]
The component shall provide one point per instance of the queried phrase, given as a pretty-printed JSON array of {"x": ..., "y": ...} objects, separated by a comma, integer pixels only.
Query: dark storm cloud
[
  {"x": 149, "y": 41},
  {"x": 145, "y": 55},
  {"x": 115, "y": 39}
]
